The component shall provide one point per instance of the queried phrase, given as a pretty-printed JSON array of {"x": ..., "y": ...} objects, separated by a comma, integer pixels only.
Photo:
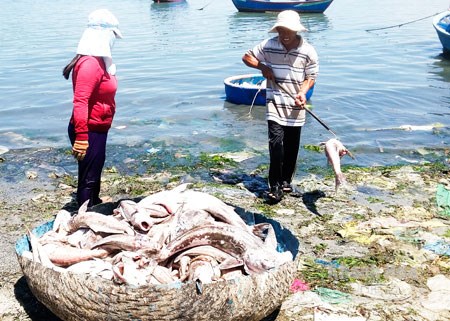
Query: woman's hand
[{"x": 79, "y": 149}]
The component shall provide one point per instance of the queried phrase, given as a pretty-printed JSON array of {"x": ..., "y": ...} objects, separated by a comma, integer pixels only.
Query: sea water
[{"x": 381, "y": 68}]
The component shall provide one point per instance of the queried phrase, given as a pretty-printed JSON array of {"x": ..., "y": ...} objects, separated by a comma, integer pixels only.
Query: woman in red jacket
[{"x": 94, "y": 89}]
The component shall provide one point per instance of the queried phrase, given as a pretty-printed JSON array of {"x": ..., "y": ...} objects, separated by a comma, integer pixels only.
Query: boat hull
[
  {"x": 312, "y": 6},
  {"x": 249, "y": 89},
  {"x": 168, "y": 1},
  {"x": 442, "y": 25}
]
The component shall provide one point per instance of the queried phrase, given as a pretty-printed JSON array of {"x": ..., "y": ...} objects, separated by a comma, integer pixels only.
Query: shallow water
[{"x": 174, "y": 57}]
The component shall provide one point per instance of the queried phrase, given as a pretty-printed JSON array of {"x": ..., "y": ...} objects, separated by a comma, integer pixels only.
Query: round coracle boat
[
  {"x": 78, "y": 297},
  {"x": 249, "y": 89}
]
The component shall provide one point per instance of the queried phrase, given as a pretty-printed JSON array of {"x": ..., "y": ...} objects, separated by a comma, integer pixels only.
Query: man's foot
[
  {"x": 291, "y": 189},
  {"x": 274, "y": 195},
  {"x": 287, "y": 187}
]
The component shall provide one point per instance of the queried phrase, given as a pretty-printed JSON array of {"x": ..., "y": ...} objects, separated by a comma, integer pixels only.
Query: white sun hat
[
  {"x": 104, "y": 19},
  {"x": 98, "y": 38},
  {"x": 289, "y": 19}
]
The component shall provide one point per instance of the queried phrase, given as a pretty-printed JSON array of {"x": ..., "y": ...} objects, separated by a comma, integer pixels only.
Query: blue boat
[
  {"x": 249, "y": 89},
  {"x": 310, "y": 6},
  {"x": 441, "y": 23}
]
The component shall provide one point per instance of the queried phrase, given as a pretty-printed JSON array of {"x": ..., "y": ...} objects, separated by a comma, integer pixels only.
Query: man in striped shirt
[{"x": 290, "y": 64}]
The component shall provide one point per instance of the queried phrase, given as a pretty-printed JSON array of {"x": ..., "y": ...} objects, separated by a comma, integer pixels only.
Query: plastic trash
[
  {"x": 439, "y": 297},
  {"x": 332, "y": 263},
  {"x": 333, "y": 296},
  {"x": 443, "y": 200},
  {"x": 394, "y": 291},
  {"x": 330, "y": 316},
  {"x": 298, "y": 286},
  {"x": 439, "y": 247}
]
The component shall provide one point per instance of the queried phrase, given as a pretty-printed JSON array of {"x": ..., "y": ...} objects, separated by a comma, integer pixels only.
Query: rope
[
  {"x": 253, "y": 102},
  {"x": 249, "y": 114},
  {"x": 402, "y": 24},
  {"x": 205, "y": 5}
]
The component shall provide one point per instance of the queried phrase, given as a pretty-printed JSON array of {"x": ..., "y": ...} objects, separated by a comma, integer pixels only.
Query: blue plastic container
[{"x": 249, "y": 90}]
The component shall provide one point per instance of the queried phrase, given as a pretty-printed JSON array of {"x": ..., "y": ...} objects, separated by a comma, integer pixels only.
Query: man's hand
[
  {"x": 266, "y": 71},
  {"x": 79, "y": 149},
  {"x": 300, "y": 100}
]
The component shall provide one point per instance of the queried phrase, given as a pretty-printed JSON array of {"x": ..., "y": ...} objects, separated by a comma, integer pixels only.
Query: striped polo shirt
[{"x": 290, "y": 68}]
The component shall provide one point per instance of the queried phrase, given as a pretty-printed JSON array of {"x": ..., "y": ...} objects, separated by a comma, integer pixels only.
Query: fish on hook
[{"x": 334, "y": 150}]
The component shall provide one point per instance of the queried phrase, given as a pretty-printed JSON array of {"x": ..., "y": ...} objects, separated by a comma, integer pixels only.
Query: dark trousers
[
  {"x": 90, "y": 168},
  {"x": 284, "y": 143}
]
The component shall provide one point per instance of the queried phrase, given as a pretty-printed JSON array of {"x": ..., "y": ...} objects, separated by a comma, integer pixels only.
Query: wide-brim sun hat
[{"x": 289, "y": 19}]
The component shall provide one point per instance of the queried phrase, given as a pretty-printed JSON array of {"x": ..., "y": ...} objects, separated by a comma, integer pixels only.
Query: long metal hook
[{"x": 308, "y": 110}]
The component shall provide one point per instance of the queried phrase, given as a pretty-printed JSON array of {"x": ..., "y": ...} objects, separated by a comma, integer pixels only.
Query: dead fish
[
  {"x": 127, "y": 243},
  {"x": 235, "y": 241},
  {"x": 53, "y": 237},
  {"x": 142, "y": 221},
  {"x": 161, "y": 233},
  {"x": 61, "y": 221},
  {"x": 334, "y": 150},
  {"x": 266, "y": 233},
  {"x": 231, "y": 274},
  {"x": 83, "y": 238},
  {"x": 64, "y": 255},
  {"x": 206, "y": 250},
  {"x": 189, "y": 218},
  {"x": 183, "y": 267},
  {"x": 39, "y": 254},
  {"x": 225, "y": 237},
  {"x": 141, "y": 218},
  {"x": 154, "y": 210},
  {"x": 128, "y": 270},
  {"x": 214, "y": 206},
  {"x": 97, "y": 222},
  {"x": 203, "y": 240},
  {"x": 203, "y": 269},
  {"x": 126, "y": 209},
  {"x": 162, "y": 275},
  {"x": 226, "y": 260},
  {"x": 408, "y": 127},
  {"x": 167, "y": 199},
  {"x": 260, "y": 260},
  {"x": 93, "y": 267}
]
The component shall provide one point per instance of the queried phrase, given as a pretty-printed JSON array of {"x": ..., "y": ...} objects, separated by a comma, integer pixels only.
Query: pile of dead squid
[{"x": 178, "y": 235}]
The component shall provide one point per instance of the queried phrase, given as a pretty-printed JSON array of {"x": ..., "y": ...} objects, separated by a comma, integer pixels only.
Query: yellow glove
[{"x": 79, "y": 149}]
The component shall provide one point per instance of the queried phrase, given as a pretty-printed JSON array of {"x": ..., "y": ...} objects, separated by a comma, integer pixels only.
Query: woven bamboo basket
[{"x": 81, "y": 297}]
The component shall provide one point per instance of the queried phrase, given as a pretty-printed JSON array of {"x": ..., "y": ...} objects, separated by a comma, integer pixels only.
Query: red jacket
[{"x": 93, "y": 97}]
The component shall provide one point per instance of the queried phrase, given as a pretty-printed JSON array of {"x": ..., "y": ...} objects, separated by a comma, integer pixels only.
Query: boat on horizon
[
  {"x": 441, "y": 23},
  {"x": 304, "y": 6},
  {"x": 168, "y": 1}
]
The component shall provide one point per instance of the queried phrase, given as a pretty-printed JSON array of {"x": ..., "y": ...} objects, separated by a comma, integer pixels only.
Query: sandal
[
  {"x": 275, "y": 195},
  {"x": 292, "y": 190},
  {"x": 287, "y": 188}
]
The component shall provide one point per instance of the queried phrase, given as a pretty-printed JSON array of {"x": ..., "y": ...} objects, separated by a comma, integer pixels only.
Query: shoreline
[{"x": 381, "y": 266}]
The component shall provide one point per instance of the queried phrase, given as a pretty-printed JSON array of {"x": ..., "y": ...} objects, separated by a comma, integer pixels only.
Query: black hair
[{"x": 68, "y": 68}]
